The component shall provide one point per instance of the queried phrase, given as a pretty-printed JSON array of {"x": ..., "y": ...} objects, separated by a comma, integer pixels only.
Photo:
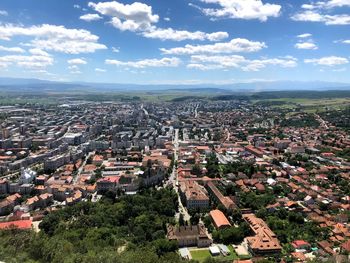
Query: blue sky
[{"x": 178, "y": 41}]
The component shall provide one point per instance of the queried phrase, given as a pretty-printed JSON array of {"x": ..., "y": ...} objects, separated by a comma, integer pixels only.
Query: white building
[{"x": 27, "y": 176}]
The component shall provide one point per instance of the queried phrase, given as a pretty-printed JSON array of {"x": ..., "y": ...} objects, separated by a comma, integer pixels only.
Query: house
[
  {"x": 7, "y": 205},
  {"x": 33, "y": 202},
  {"x": 301, "y": 245},
  {"x": 299, "y": 256},
  {"x": 219, "y": 219},
  {"x": 188, "y": 236},
  {"x": 345, "y": 247}
]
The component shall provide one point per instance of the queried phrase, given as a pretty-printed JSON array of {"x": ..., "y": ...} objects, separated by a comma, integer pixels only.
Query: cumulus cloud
[
  {"x": 139, "y": 17},
  {"x": 306, "y": 45},
  {"x": 164, "y": 62},
  {"x": 29, "y": 62},
  {"x": 326, "y": 4},
  {"x": 3, "y": 13},
  {"x": 77, "y": 61},
  {"x": 100, "y": 70},
  {"x": 234, "y": 46},
  {"x": 12, "y": 49},
  {"x": 38, "y": 52},
  {"x": 323, "y": 11},
  {"x": 328, "y": 61},
  {"x": 312, "y": 16},
  {"x": 240, "y": 9},
  {"x": 205, "y": 62},
  {"x": 134, "y": 17},
  {"x": 180, "y": 35},
  {"x": 55, "y": 38},
  {"x": 90, "y": 17}
]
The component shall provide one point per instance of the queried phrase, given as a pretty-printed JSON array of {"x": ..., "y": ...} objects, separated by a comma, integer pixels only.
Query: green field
[
  {"x": 306, "y": 105},
  {"x": 202, "y": 254}
]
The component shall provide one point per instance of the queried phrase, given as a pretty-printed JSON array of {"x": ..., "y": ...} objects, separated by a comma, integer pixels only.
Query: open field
[
  {"x": 202, "y": 254},
  {"x": 307, "y": 105}
]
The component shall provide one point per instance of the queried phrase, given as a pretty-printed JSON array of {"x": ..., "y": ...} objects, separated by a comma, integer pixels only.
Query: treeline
[{"x": 124, "y": 230}]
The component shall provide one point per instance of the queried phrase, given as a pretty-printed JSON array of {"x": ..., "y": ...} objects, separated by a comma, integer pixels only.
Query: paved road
[
  {"x": 174, "y": 180},
  {"x": 81, "y": 168}
]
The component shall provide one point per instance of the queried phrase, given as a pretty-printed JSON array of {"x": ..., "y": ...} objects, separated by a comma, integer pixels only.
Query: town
[{"x": 252, "y": 183}]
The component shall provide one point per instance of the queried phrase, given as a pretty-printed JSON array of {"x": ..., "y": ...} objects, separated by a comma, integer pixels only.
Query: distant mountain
[{"x": 39, "y": 86}]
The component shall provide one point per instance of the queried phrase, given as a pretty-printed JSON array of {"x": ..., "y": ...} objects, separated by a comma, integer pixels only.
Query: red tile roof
[{"x": 21, "y": 224}]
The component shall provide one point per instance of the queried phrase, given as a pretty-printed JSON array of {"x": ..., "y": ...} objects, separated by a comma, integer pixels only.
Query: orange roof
[
  {"x": 219, "y": 218},
  {"x": 21, "y": 224}
]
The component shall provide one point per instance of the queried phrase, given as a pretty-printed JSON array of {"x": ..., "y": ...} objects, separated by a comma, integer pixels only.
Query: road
[
  {"x": 322, "y": 121},
  {"x": 81, "y": 168},
  {"x": 174, "y": 180},
  {"x": 196, "y": 111}
]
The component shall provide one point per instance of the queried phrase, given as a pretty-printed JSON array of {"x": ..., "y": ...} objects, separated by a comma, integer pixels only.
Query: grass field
[
  {"x": 308, "y": 105},
  {"x": 202, "y": 254}
]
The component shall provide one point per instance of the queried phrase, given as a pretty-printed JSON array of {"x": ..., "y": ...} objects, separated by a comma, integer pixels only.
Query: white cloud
[
  {"x": 345, "y": 41},
  {"x": 164, "y": 62},
  {"x": 234, "y": 46},
  {"x": 12, "y": 49},
  {"x": 322, "y": 11},
  {"x": 55, "y": 38},
  {"x": 180, "y": 35},
  {"x": 139, "y": 17},
  {"x": 310, "y": 16},
  {"x": 306, "y": 35},
  {"x": 134, "y": 17},
  {"x": 38, "y": 52},
  {"x": 100, "y": 70},
  {"x": 240, "y": 9},
  {"x": 167, "y": 19},
  {"x": 77, "y": 6},
  {"x": 77, "y": 61},
  {"x": 74, "y": 69},
  {"x": 3, "y": 13},
  {"x": 326, "y": 4},
  {"x": 306, "y": 45},
  {"x": 90, "y": 17},
  {"x": 115, "y": 49},
  {"x": 30, "y": 62},
  {"x": 204, "y": 62},
  {"x": 328, "y": 61}
]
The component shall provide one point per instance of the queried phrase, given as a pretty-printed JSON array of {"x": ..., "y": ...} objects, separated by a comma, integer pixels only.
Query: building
[
  {"x": 188, "y": 236},
  {"x": 220, "y": 221},
  {"x": 255, "y": 151},
  {"x": 8, "y": 204},
  {"x": 193, "y": 195},
  {"x": 20, "y": 224},
  {"x": 219, "y": 198},
  {"x": 3, "y": 186},
  {"x": 27, "y": 176},
  {"x": 264, "y": 241},
  {"x": 108, "y": 183}
]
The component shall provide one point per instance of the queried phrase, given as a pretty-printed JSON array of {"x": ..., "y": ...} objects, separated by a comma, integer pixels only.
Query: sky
[{"x": 175, "y": 41}]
